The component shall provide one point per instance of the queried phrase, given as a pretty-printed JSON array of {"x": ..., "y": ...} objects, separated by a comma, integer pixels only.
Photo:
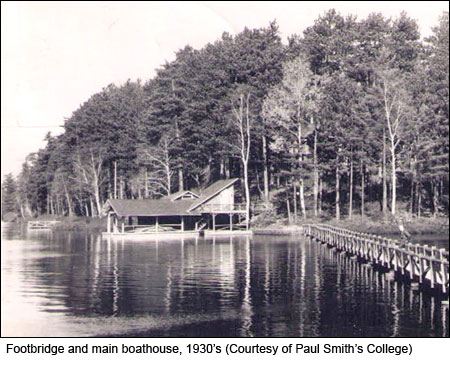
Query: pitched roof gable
[
  {"x": 150, "y": 208},
  {"x": 167, "y": 206},
  {"x": 211, "y": 191},
  {"x": 179, "y": 194}
]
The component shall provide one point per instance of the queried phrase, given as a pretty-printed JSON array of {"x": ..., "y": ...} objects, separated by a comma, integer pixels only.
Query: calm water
[{"x": 78, "y": 284}]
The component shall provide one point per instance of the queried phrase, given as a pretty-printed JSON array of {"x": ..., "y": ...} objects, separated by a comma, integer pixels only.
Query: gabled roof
[
  {"x": 167, "y": 206},
  {"x": 179, "y": 194},
  {"x": 211, "y": 191},
  {"x": 149, "y": 208}
]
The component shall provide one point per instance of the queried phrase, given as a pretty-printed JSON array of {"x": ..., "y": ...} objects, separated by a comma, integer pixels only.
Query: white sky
[{"x": 55, "y": 55}]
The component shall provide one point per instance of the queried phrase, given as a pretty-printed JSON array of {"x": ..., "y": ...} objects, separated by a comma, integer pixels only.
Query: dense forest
[{"x": 351, "y": 117}]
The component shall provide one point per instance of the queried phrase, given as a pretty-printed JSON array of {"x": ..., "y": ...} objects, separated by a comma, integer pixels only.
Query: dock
[
  {"x": 416, "y": 263},
  {"x": 41, "y": 225}
]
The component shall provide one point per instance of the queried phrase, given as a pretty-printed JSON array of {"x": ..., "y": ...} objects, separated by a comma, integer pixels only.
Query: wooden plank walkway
[{"x": 427, "y": 266}]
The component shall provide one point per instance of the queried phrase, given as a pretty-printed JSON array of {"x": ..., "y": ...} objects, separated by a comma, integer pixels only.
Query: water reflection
[{"x": 80, "y": 284}]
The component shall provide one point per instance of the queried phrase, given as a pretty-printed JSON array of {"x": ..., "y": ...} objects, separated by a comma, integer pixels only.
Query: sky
[{"x": 55, "y": 55}]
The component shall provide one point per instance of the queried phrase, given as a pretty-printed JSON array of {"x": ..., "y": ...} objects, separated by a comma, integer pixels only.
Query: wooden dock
[
  {"x": 41, "y": 225},
  {"x": 421, "y": 264}
]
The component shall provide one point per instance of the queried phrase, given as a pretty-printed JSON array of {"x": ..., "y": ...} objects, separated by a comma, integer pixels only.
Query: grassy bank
[
  {"x": 416, "y": 226},
  {"x": 271, "y": 225},
  {"x": 93, "y": 224},
  {"x": 82, "y": 224}
]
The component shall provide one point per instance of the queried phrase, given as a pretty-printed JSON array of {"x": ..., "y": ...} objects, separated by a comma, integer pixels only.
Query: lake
[{"x": 78, "y": 284}]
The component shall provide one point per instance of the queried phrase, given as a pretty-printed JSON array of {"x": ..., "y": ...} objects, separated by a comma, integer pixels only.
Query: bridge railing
[
  {"x": 237, "y": 207},
  {"x": 41, "y": 224},
  {"x": 415, "y": 261},
  {"x": 216, "y": 208}
]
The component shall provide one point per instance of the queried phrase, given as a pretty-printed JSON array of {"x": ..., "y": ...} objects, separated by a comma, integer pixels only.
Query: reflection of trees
[{"x": 266, "y": 286}]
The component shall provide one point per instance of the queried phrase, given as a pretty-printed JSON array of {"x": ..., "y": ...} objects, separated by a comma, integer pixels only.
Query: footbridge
[{"x": 418, "y": 264}]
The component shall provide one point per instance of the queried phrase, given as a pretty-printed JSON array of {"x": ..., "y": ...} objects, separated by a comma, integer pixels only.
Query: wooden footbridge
[
  {"x": 420, "y": 264},
  {"x": 39, "y": 225}
]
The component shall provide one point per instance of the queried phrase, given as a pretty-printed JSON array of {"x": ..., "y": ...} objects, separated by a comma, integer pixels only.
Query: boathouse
[{"x": 213, "y": 210}]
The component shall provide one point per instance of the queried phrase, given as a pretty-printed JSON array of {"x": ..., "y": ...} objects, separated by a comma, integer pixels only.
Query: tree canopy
[{"x": 341, "y": 113}]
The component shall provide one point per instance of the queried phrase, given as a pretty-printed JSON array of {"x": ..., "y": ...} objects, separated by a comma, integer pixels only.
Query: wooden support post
[
  {"x": 412, "y": 264},
  {"x": 444, "y": 276},
  {"x": 231, "y": 221},
  {"x": 422, "y": 270},
  {"x": 214, "y": 222},
  {"x": 433, "y": 278},
  {"x": 108, "y": 229},
  {"x": 182, "y": 223},
  {"x": 247, "y": 219},
  {"x": 156, "y": 224},
  {"x": 123, "y": 226}
]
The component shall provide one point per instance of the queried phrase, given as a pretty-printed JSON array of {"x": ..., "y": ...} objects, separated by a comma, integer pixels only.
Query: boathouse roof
[
  {"x": 182, "y": 195},
  {"x": 213, "y": 190},
  {"x": 172, "y": 205},
  {"x": 150, "y": 208}
]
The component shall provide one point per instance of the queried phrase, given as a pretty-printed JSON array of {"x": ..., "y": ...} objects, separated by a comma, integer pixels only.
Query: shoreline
[{"x": 420, "y": 226}]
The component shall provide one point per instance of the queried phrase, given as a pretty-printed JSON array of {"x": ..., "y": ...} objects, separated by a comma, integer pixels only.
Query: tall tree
[
  {"x": 9, "y": 196},
  {"x": 241, "y": 120},
  {"x": 394, "y": 99},
  {"x": 290, "y": 106}
]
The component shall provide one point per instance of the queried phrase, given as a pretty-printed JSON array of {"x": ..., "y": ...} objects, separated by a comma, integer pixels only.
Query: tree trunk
[
  {"x": 384, "y": 198},
  {"x": 419, "y": 198},
  {"x": 288, "y": 208},
  {"x": 180, "y": 179},
  {"x": 115, "y": 179},
  {"x": 337, "y": 201},
  {"x": 58, "y": 206},
  {"x": 98, "y": 202},
  {"x": 411, "y": 199},
  {"x": 435, "y": 192},
  {"x": 69, "y": 203},
  {"x": 315, "y": 174},
  {"x": 295, "y": 202},
  {"x": 265, "y": 169},
  {"x": 22, "y": 212},
  {"x": 320, "y": 196},
  {"x": 394, "y": 181},
  {"x": 247, "y": 191},
  {"x": 362, "y": 190},
  {"x": 350, "y": 200},
  {"x": 302, "y": 198},
  {"x": 120, "y": 189},
  {"x": 222, "y": 169},
  {"x": 109, "y": 181},
  {"x": 300, "y": 162},
  {"x": 93, "y": 213},
  {"x": 139, "y": 191},
  {"x": 146, "y": 192}
]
